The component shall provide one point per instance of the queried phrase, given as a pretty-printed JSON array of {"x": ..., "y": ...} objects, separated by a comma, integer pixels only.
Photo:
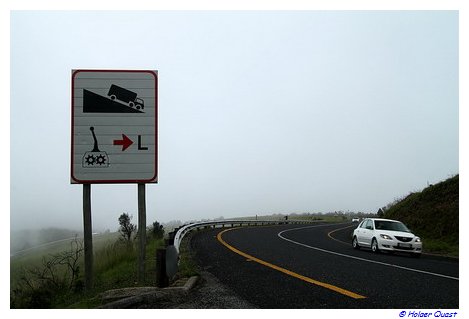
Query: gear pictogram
[
  {"x": 90, "y": 159},
  {"x": 95, "y": 157},
  {"x": 101, "y": 159}
]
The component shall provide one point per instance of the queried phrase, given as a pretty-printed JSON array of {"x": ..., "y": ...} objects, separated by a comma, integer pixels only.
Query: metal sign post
[
  {"x": 142, "y": 228},
  {"x": 88, "y": 237},
  {"x": 114, "y": 140}
]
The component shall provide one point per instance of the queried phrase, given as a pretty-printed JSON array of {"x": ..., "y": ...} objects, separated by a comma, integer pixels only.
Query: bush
[
  {"x": 156, "y": 230},
  {"x": 126, "y": 228},
  {"x": 59, "y": 275},
  {"x": 433, "y": 214}
]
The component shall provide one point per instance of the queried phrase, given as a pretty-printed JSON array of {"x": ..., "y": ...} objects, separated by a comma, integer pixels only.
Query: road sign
[{"x": 114, "y": 126}]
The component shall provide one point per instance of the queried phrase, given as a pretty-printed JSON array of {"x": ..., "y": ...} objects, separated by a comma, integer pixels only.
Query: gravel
[{"x": 207, "y": 293}]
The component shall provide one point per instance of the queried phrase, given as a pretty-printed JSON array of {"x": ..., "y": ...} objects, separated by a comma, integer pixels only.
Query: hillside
[
  {"x": 433, "y": 214},
  {"x": 25, "y": 239}
]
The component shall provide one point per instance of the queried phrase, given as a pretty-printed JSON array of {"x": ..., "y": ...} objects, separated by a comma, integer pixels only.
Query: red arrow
[{"x": 125, "y": 142}]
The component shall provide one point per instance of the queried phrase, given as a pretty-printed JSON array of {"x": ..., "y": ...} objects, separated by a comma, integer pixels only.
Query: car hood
[{"x": 395, "y": 233}]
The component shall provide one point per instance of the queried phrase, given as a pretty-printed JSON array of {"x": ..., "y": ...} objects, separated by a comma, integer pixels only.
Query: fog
[{"x": 258, "y": 112}]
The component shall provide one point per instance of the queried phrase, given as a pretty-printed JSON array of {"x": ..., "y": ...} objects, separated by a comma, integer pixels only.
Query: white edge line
[{"x": 357, "y": 258}]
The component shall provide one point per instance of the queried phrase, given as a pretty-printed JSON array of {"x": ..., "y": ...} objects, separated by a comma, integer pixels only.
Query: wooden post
[
  {"x": 162, "y": 280},
  {"x": 88, "y": 237},
  {"x": 142, "y": 230}
]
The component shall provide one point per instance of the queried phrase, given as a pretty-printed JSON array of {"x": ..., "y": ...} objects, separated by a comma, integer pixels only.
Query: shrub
[{"x": 58, "y": 275}]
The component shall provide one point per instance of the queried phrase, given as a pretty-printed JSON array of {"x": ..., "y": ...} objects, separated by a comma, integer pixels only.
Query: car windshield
[{"x": 389, "y": 225}]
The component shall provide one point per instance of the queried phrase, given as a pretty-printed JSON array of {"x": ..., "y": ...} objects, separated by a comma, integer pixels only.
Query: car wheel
[
  {"x": 355, "y": 243},
  {"x": 374, "y": 246}
]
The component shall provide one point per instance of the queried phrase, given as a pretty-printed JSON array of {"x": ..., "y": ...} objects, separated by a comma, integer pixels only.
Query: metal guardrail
[
  {"x": 167, "y": 259},
  {"x": 184, "y": 230}
]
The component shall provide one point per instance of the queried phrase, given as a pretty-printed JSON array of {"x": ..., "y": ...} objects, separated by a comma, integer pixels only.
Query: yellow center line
[
  {"x": 286, "y": 271},
  {"x": 329, "y": 234}
]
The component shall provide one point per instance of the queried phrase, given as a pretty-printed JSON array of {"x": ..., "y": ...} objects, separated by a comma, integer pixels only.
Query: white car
[
  {"x": 386, "y": 235},
  {"x": 355, "y": 220}
]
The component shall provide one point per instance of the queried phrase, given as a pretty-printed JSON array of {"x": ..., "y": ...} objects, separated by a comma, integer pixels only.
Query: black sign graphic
[
  {"x": 95, "y": 158},
  {"x": 118, "y": 100}
]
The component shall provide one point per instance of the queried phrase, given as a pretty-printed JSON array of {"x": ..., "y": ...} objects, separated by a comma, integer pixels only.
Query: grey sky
[{"x": 259, "y": 112}]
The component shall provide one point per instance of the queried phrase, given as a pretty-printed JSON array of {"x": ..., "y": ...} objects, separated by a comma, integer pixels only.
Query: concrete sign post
[{"x": 114, "y": 140}]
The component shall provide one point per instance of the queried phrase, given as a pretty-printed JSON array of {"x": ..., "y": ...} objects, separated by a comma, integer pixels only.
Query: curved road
[{"x": 293, "y": 266}]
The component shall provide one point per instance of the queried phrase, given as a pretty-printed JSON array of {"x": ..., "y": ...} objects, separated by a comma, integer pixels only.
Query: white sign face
[{"x": 114, "y": 126}]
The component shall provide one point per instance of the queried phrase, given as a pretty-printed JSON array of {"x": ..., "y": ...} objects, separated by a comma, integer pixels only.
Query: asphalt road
[{"x": 294, "y": 266}]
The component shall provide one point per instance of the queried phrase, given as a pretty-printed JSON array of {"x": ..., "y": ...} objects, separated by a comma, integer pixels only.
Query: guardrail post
[
  {"x": 161, "y": 277},
  {"x": 171, "y": 235}
]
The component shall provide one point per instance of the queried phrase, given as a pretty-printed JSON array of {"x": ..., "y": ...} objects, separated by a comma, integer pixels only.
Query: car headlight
[
  {"x": 386, "y": 236},
  {"x": 417, "y": 240}
]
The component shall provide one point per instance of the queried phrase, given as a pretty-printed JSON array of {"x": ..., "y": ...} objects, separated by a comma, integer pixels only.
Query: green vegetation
[
  {"x": 55, "y": 280},
  {"x": 52, "y": 275},
  {"x": 187, "y": 264},
  {"x": 126, "y": 228},
  {"x": 330, "y": 217},
  {"x": 21, "y": 240},
  {"x": 433, "y": 214}
]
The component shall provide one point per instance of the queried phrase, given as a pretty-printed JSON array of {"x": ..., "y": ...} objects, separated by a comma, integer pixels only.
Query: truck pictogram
[{"x": 125, "y": 96}]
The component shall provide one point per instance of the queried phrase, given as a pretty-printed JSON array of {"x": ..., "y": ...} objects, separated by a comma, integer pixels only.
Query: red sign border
[{"x": 75, "y": 180}]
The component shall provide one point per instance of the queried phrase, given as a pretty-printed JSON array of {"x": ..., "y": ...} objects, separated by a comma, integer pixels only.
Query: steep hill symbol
[{"x": 119, "y": 100}]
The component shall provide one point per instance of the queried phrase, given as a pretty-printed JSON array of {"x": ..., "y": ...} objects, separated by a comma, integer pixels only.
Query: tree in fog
[
  {"x": 157, "y": 230},
  {"x": 126, "y": 227}
]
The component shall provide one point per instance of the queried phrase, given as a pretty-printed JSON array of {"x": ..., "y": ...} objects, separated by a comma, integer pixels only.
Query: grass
[
  {"x": 328, "y": 218},
  {"x": 187, "y": 264},
  {"x": 115, "y": 266},
  {"x": 34, "y": 258},
  {"x": 433, "y": 214},
  {"x": 440, "y": 247}
]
